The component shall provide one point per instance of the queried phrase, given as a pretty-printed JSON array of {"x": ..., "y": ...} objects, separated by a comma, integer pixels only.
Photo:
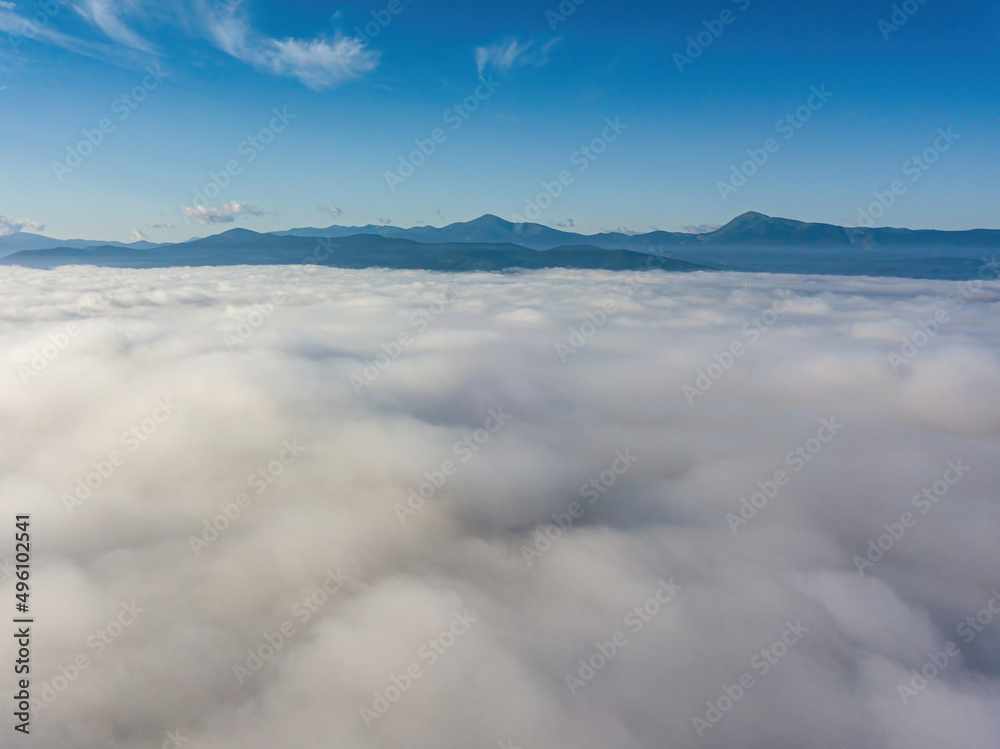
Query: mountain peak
[
  {"x": 748, "y": 218},
  {"x": 489, "y": 220},
  {"x": 238, "y": 233}
]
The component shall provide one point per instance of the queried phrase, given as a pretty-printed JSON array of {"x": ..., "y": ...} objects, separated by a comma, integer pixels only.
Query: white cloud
[
  {"x": 317, "y": 63},
  {"x": 7, "y": 6},
  {"x": 331, "y": 209},
  {"x": 509, "y": 53},
  {"x": 160, "y": 226},
  {"x": 161, "y": 334},
  {"x": 106, "y": 15},
  {"x": 224, "y": 214},
  {"x": 21, "y": 30},
  {"x": 12, "y": 225},
  {"x": 138, "y": 236}
]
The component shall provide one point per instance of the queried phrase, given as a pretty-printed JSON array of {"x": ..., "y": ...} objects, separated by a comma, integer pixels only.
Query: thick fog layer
[{"x": 287, "y": 507}]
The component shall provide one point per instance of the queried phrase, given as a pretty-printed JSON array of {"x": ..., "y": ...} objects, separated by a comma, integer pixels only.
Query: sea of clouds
[{"x": 316, "y": 507}]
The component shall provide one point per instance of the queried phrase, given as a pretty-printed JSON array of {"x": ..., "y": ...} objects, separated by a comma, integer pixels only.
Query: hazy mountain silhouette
[
  {"x": 750, "y": 242},
  {"x": 749, "y": 229},
  {"x": 22, "y": 240},
  {"x": 241, "y": 247}
]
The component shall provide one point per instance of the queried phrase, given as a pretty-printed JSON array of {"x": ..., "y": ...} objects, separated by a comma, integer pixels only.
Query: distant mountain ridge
[
  {"x": 245, "y": 247},
  {"x": 750, "y": 228},
  {"x": 22, "y": 240},
  {"x": 750, "y": 242}
]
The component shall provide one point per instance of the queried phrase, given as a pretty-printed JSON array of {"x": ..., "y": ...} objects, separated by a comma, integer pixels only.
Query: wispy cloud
[
  {"x": 510, "y": 53},
  {"x": 160, "y": 226},
  {"x": 106, "y": 15},
  {"x": 620, "y": 230},
  {"x": 333, "y": 210},
  {"x": 14, "y": 225},
  {"x": 700, "y": 228},
  {"x": 22, "y": 30},
  {"x": 317, "y": 63},
  {"x": 224, "y": 214}
]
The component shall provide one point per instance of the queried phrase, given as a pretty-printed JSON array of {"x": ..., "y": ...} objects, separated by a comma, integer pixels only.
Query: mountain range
[
  {"x": 747, "y": 229},
  {"x": 22, "y": 240},
  {"x": 750, "y": 242}
]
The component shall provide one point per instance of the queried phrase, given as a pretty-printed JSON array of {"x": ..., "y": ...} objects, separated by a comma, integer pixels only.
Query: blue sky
[{"x": 354, "y": 111}]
